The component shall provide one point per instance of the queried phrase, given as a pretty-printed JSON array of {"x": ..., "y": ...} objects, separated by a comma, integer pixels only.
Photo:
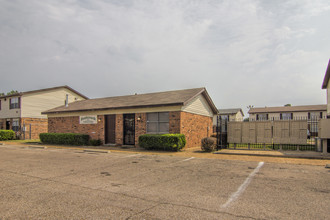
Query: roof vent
[{"x": 67, "y": 100}]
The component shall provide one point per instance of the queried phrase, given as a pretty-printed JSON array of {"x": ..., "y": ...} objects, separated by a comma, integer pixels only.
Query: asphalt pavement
[{"x": 72, "y": 183}]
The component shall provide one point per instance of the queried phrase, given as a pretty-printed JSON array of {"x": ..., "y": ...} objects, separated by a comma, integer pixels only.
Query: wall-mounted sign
[{"x": 90, "y": 119}]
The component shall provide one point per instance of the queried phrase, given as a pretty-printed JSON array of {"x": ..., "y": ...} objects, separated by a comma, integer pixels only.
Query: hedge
[
  {"x": 167, "y": 142},
  {"x": 64, "y": 138},
  {"x": 7, "y": 135}
]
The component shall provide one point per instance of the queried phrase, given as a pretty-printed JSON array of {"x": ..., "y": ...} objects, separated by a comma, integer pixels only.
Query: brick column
[
  {"x": 119, "y": 129},
  {"x": 140, "y": 126},
  {"x": 174, "y": 122}
]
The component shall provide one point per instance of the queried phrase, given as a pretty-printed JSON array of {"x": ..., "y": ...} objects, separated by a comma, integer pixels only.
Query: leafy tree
[
  {"x": 9, "y": 93},
  {"x": 287, "y": 105},
  {"x": 12, "y": 92}
]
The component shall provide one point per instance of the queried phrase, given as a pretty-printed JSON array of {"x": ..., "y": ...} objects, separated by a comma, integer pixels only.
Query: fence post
[
  {"x": 30, "y": 131},
  {"x": 264, "y": 146},
  {"x": 249, "y": 146},
  {"x": 281, "y": 147},
  {"x": 235, "y": 146},
  {"x": 298, "y": 147}
]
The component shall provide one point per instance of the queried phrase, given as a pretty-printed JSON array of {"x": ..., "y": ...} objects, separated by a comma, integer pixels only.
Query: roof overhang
[
  {"x": 310, "y": 108},
  {"x": 174, "y": 102},
  {"x": 209, "y": 101},
  {"x": 326, "y": 77},
  {"x": 44, "y": 90},
  {"x": 116, "y": 108}
]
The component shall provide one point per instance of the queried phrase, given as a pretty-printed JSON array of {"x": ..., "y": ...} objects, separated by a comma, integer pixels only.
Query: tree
[
  {"x": 249, "y": 107},
  {"x": 287, "y": 105},
  {"x": 9, "y": 93},
  {"x": 12, "y": 92}
]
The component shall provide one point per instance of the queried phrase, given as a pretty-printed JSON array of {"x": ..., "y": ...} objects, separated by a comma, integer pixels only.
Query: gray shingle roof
[
  {"x": 42, "y": 90},
  {"x": 230, "y": 111},
  {"x": 178, "y": 97},
  {"x": 302, "y": 108}
]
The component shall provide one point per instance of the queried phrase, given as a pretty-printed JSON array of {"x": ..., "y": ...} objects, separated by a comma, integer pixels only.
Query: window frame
[
  {"x": 262, "y": 117},
  {"x": 15, "y": 105},
  {"x": 284, "y": 116},
  {"x": 15, "y": 127},
  {"x": 315, "y": 115},
  {"x": 158, "y": 123}
]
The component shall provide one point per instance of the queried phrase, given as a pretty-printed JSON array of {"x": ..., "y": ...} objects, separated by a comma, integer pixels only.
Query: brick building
[
  {"x": 325, "y": 123},
  {"x": 21, "y": 112},
  {"x": 288, "y": 112},
  {"x": 121, "y": 120}
]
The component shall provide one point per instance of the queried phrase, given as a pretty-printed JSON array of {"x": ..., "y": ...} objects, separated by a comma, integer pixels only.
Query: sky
[{"x": 244, "y": 52}]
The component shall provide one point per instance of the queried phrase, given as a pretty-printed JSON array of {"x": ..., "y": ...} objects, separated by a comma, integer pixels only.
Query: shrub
[
  {"x": 96, "y": 142},
  {"x": 64, "y": 138},
  {"x": 167, "y": 142},
  {"x": 7, "y": 135},
  {"x": 209, "y": 144}
]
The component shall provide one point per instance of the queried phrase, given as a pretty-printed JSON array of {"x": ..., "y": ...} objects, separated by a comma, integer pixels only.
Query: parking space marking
[
  {"x": 133, "y": 155},
  {"x": 188, "y": 159},
  {"x": 241, "y": 189}
]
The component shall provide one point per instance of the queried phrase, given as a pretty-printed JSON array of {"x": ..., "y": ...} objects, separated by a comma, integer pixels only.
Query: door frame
[
  {"x": 125, "y": 130},
  {"x": 107, "y": 137},
  {"x": 8, "y": 124}
]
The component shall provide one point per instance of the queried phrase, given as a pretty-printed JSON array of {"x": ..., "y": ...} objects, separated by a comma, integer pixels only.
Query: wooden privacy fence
[{"x": 268, "y": 132}]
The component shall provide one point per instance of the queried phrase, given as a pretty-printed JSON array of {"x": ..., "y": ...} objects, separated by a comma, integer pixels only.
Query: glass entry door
[{"x": 129, "y": 129}]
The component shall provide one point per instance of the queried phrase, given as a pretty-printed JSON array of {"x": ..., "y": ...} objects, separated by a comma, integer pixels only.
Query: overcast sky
[{"x": 245, "y": 52}]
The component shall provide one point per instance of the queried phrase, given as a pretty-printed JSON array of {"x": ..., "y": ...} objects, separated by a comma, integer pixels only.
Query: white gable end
[{"x": 198, "y": 106}]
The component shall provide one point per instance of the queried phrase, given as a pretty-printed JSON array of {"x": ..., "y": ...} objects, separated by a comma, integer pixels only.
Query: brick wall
[
  {"x": 71, "y": 125},
  {"x": 119, "y": 132},
  {"x": 174, "y": 122},
  {"x": 140, "y": 126},
  {"x": 33, "y": 127},
  {"x": 195, "y": 127}
]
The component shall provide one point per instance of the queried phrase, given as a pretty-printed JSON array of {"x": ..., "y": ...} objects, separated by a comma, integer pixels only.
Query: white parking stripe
[
  {"x": 133, "y": 155},
  {"x": 188, "y": 159},
  {"x": 241, "y": 189}
]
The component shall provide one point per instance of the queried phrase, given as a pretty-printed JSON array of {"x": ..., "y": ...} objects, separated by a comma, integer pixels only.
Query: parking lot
[{"x": 73, "y": 184}]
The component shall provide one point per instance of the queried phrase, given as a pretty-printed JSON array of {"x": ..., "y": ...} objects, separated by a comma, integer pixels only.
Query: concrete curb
[
  {"x": 37, "y": 147},
  {"x": 97, "y": 151},
  {"x": 283, "y": 156}
]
